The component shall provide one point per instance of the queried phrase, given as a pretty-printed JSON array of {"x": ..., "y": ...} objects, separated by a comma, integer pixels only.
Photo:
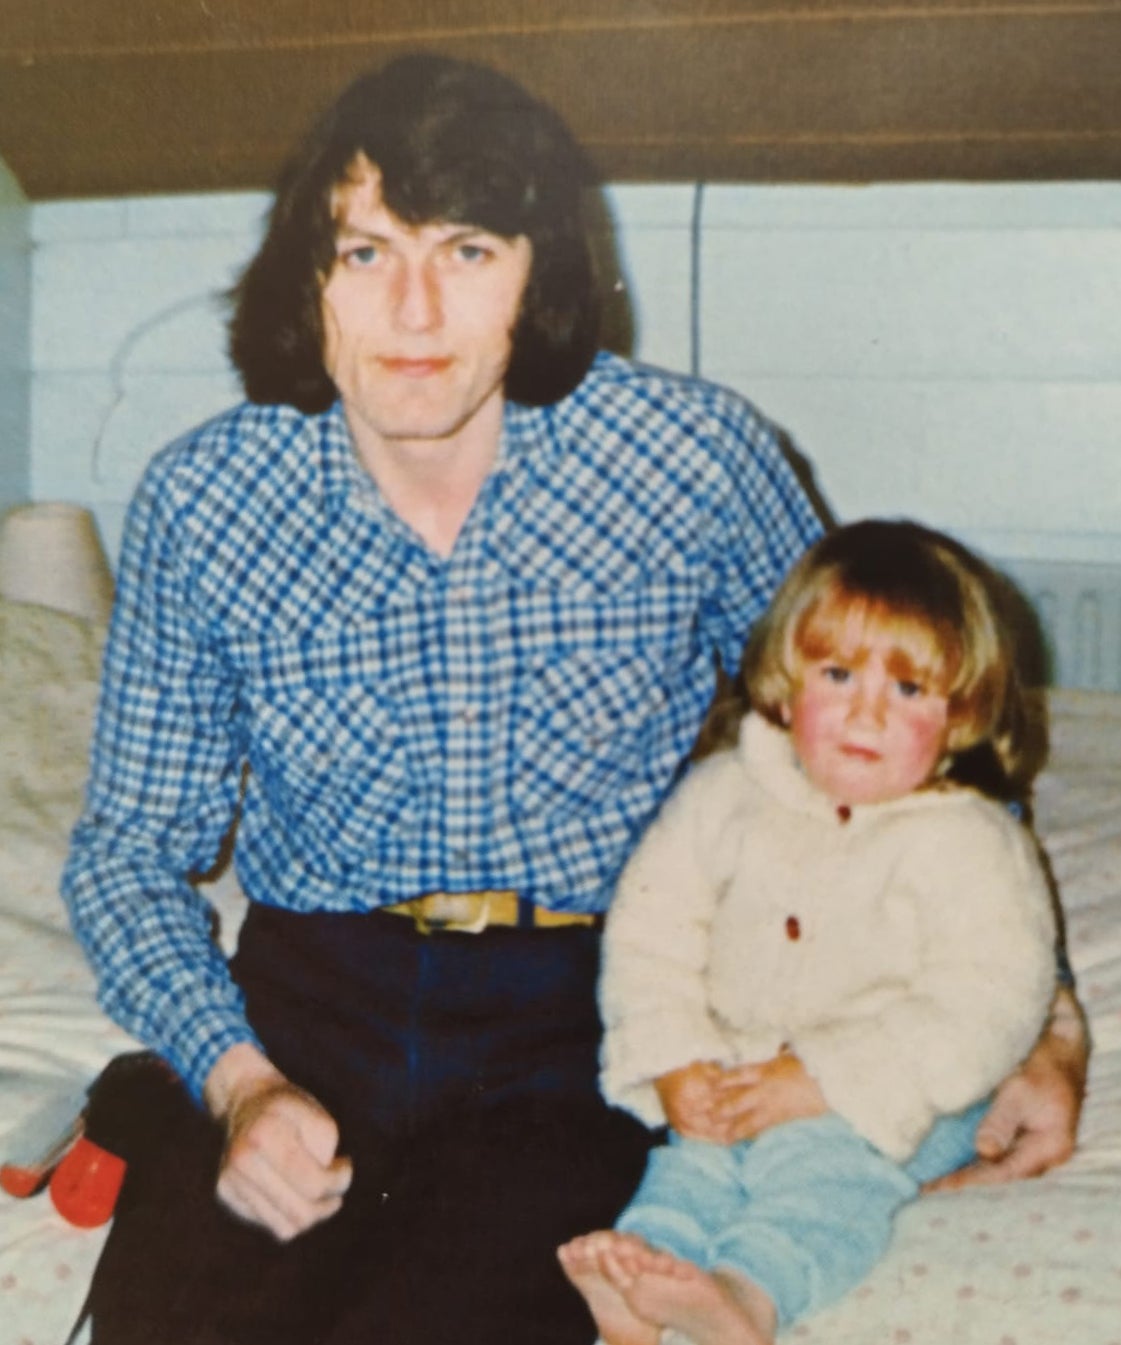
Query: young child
[{"x": 824, "y": 954}]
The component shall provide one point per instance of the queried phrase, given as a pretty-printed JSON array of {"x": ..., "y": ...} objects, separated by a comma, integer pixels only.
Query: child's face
[{"x": 866, "y": 728}]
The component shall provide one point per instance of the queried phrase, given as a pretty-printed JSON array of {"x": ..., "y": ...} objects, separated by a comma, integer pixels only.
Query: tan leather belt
[{"x": 472, "y": 912}]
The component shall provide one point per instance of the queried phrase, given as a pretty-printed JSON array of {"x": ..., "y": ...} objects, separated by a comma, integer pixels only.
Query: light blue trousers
[{"x": 804, "y": 1211}]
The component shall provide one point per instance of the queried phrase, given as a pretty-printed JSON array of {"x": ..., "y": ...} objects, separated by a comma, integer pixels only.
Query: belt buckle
[{"x": 454, "y": 912}]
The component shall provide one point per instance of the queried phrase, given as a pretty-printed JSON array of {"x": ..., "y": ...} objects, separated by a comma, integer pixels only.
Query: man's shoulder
[
  {"x": 613, "y": 385},
  {"x": 235, "y": 440},
  {"x": 252, "y": 469},
  {"x": 251, "y": 459},
  {"x": 633, "y": 416}
]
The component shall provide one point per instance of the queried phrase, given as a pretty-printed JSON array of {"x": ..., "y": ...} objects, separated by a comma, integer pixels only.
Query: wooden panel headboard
[{"x": 110, "y": 97}]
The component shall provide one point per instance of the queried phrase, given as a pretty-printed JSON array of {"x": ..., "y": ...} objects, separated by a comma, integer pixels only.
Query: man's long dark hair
[{"x": 453, "y": 142}]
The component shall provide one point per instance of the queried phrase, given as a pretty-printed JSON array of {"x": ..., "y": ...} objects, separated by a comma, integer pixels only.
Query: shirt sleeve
[
  {"x": 162, "y": 795},
  {"x": 763, "y": 521}
]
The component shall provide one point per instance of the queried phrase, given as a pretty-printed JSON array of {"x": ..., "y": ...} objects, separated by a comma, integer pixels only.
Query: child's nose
[{"x": 870, "y": 702}]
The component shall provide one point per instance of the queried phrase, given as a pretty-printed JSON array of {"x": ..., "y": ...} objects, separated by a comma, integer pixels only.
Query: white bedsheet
[
  {"x": 1034, "y": 1263},
  {"x": 1031, "y": 1264}
]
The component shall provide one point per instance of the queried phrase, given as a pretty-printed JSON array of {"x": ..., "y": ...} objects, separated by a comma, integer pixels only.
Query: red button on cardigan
[{"x": 793, "y": 928}]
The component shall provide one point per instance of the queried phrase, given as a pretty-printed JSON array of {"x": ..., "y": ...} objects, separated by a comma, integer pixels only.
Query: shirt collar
[
  {"x": 527, "y": 441},
  {"x": 538, "y": 437},
  {"x": 342, "y": 474}
]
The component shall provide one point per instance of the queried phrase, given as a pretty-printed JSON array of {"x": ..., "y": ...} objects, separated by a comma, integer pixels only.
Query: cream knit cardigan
[{"x": 904, "y": 950}]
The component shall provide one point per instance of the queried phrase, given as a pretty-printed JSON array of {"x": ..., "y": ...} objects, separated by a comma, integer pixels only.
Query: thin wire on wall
[{"x": 695, "y": 233}]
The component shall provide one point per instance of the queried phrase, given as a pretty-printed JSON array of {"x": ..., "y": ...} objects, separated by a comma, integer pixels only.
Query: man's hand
[
  {"x": 1033, "y": 1122},
  {"x": 280, "y": 1168}
]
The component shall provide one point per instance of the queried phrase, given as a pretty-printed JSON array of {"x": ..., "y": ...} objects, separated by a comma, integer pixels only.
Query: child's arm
[
  {"x": 1033, "y": 1122},
  {"x": 951, "y": 1032},
  {"x": 1030, "y": 1128},
  {"x": 653, "y": 987}
]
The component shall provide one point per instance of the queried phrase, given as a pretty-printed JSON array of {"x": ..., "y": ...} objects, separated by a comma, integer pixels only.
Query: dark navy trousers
[{"x": 462, "y": 1071}]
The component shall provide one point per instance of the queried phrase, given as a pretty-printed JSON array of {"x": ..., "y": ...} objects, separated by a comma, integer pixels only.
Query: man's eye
[
  {"x": 472, "y": 252},
  {"x": 365, "y": 255}
]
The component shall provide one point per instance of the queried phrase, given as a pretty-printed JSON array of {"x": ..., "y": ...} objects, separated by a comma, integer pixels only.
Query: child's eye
[
  {"x": 908, "y": 690},
  {"x": 836, "y": 672}
]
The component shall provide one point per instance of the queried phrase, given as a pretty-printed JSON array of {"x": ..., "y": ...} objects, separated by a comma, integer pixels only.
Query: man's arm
[
  {"x": 1033, "y": 1122},
  {"x": 280, "y": 1167},
  {"x": 163, "y": 791}
]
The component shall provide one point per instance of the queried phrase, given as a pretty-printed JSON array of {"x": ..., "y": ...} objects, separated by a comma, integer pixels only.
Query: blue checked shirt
[{"x": 506, "y": 718}]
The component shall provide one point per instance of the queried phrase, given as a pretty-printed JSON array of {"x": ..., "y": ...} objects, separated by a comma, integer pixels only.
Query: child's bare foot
[
  {"x": 598, "y": 1264},
  {"x": 718, "y": 1308}
]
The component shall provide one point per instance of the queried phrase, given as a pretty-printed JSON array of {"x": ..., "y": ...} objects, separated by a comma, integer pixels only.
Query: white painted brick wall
[
  {"x": 950, "y": 352},
  {"x": 128, "y": 336},
  {"x": 15, "y": 310}
]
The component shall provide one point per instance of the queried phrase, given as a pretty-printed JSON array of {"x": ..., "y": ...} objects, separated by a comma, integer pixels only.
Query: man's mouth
[{"x": 405, "y": 367}]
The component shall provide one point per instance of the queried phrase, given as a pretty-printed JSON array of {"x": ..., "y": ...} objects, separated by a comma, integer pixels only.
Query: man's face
[{"x": 417, "y": 319}]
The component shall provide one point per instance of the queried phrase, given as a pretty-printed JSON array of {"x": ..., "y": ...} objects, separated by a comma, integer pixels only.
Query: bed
[{"x": 1028, "y": 1264}]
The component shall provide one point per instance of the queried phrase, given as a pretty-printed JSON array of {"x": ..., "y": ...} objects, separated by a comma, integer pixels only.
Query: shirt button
[{"x": 469, "y": 714}]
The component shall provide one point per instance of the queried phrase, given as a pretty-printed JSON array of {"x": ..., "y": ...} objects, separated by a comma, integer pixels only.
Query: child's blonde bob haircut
[{"x": 934, "y": 599}]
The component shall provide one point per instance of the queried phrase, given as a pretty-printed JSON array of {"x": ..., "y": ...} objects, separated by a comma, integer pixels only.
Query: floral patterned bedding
[{"x": 1029, "y": 1264}]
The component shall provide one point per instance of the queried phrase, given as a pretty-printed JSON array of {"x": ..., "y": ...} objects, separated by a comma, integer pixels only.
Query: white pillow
[{"x": 49, "y": 668}]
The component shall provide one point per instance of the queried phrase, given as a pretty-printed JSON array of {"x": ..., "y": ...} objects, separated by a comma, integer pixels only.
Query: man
[{"x": 435, "y": 615}]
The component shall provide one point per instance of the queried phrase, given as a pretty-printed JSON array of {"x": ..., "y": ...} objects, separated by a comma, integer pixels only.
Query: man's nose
[{"x": 418, "y": 305}]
